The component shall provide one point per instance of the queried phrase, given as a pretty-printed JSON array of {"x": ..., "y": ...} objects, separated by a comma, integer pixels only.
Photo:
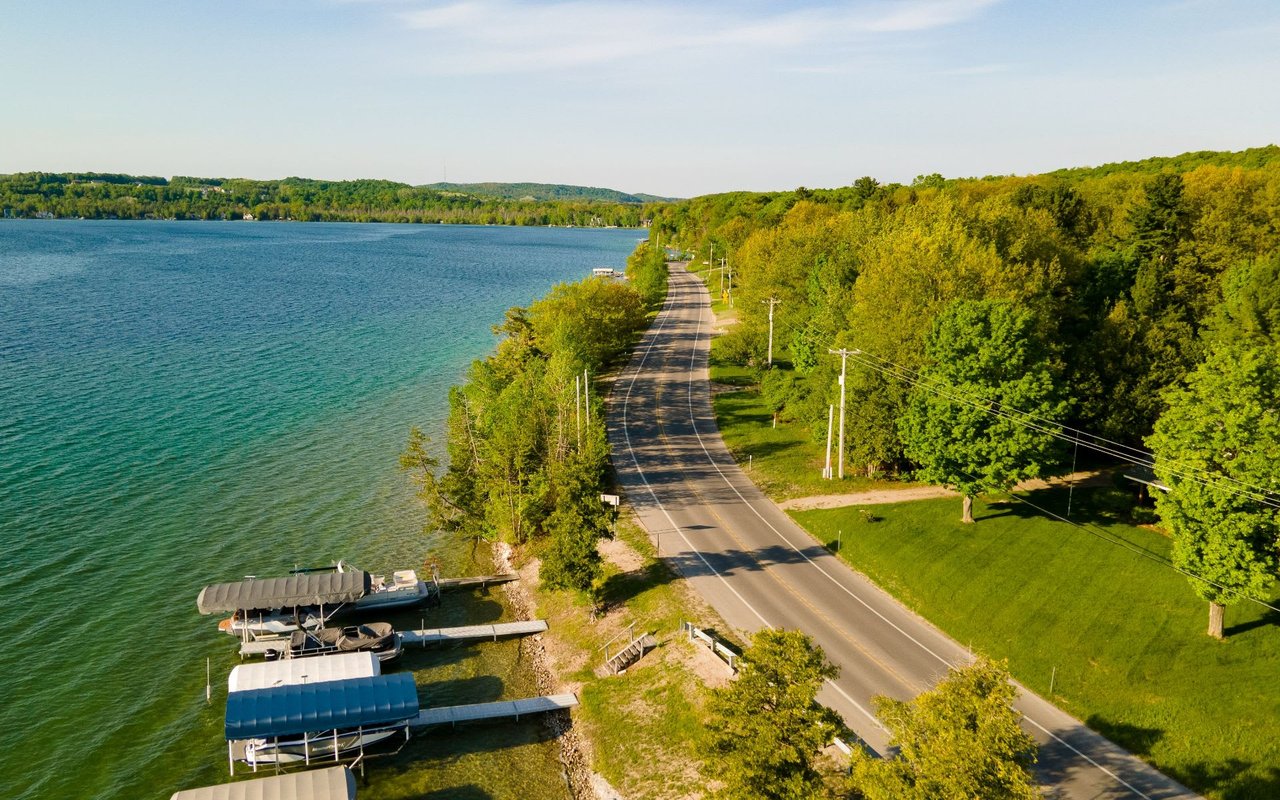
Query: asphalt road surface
[{"x": 757, "y": 568}]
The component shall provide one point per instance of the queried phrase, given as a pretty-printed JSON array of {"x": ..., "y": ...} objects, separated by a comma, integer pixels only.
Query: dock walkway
[
  {"x": 452, "y": 715},
  {"x": 468, "y": 632},
  {"x": 481, "y": 581}
]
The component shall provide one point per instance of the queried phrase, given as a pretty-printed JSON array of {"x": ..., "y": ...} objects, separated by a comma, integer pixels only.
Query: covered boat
[
  {"x": 278, "y": 606},
  {"x": 308, "y": 598},
  {"x": 307, "y": 722},
  {"x": 334, "y": 783}
]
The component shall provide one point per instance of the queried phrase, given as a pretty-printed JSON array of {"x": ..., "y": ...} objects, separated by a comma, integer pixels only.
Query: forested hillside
[
  {"x": 114, "y": 196},
  {"x": 545, "y": 191},
  {"x": 1122, "y": 269}
]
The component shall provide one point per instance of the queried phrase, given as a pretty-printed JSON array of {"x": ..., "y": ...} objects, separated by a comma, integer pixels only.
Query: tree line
[
  {"x": 526, "y": 447},
  {"x": 115, "y": 196},
  {"x": 994, "y": 323}
]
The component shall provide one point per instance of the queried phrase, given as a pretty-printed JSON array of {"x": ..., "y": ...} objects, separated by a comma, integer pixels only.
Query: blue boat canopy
[{"x": 315, "y": 707}]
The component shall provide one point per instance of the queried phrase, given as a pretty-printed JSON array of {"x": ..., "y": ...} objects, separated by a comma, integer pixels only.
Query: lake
[{"x": 188, "y": 403}]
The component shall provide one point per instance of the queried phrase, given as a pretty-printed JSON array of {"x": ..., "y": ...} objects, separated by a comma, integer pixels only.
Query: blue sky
[{"x": 661, "y": 97}]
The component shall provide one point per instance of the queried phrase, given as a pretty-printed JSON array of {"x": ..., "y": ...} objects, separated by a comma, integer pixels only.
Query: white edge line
[
  {"x": 626, "y": 400},
  {"x": 694, "y": 423}
]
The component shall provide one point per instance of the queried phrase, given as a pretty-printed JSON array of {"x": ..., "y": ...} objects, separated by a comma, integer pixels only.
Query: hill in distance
[{"x": 546, "y": 191}]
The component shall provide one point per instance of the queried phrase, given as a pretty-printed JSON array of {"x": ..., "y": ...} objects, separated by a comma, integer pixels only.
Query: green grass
[
  {"x": 644, "y": 725},
  {"x": 784, "y": 461},
  {"x": 1125, "y": 634}
]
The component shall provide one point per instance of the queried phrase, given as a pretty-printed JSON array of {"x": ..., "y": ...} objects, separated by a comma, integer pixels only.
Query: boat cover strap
[
  {"x": 334, "y": 783},
  {"x": 316, "y": 707},
  {"x": 307, "y": 589}
]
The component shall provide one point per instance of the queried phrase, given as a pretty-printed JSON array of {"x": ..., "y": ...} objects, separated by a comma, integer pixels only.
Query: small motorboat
[
  {"x": 277, "y": 623},
  {"x": 405, "y": 589},
  {"x": 378, "y": 638},
  {"x": 321, "y": 748}
]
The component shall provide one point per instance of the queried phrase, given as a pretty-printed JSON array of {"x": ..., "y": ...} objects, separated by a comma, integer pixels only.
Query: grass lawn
[
  {"x": 785, "y": 461},
  {"x": 645, "y": 724},
  {"x": 1125, "y": 634}
]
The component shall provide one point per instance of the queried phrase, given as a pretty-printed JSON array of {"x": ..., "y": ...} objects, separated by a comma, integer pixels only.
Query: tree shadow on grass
[
  {"x": 1230, "y": 779},
  {"x": 1134, "y": 738},
  {"x": 762, "y": 449},
  {"x": 1268, "y": 619},
  {"x": 623, "y": 586}
]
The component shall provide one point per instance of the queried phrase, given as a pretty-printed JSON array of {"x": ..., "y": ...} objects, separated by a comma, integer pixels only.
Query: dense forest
[
  {"x": 994, "y": 328},
  {"x": 115, "y": 196},
  {"x": 1123, "y": 267}
]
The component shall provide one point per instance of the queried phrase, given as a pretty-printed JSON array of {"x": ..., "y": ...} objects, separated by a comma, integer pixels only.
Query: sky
[{"x": 673, "y": 99}]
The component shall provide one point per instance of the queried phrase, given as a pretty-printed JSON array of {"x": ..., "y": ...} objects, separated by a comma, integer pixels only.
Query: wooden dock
[
  {"x": 470, "y": 632},
  {"x": 503, "y": 709},
  {"x": 478, "y": 581}
]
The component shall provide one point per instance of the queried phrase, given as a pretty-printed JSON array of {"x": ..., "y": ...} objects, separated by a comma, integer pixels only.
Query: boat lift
[{"x": 331, "y": 721}]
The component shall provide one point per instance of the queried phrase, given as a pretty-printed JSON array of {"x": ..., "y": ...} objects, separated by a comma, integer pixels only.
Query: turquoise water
[{"x": 184, "y": 403}]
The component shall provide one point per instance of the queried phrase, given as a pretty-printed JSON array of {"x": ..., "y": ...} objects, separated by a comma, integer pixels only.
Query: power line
[
  {"x": 1212, "y": 480},
  {"x": 1142, "y": 457},
  {"x": 914, "y": 378}
]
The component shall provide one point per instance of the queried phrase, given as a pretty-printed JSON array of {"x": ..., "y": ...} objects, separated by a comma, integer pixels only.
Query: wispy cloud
[
  {"x": 977, "y": 69},
  {"x": 507, "y": 35}
]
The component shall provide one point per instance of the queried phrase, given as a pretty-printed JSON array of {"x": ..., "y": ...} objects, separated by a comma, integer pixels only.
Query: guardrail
[{"x": 725, "y": 653}]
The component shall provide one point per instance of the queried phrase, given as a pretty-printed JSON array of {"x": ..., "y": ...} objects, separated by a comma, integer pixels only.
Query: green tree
[
  {"x": 647, "y": 273},
  {"x": 766, "y": 727},
  {"x": 958, "y": 741},
  {"x": 1250, "y": 307},
  {"x": 594, "y": 319},
  {"x": 1215, "y": 448},
  {"x": 985, "y": 370}
]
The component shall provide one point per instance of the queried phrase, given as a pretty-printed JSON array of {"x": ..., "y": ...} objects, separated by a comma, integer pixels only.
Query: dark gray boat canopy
[
  {"x": 335, "y": 783},
  {"x": 305, "y": 589}
]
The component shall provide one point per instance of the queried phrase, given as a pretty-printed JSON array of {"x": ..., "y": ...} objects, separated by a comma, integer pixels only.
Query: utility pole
[
  {"x": 577, "y": 407},
  {"x": 831, "y": 413},
  {"x": 772, "y": 301},
  {"x": 730, "y": 268},
  {"x": 586, "y": 398},
  {"x": 844, "y": 362}
]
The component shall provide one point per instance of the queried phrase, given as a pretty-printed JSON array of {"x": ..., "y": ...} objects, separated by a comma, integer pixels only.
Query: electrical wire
[
  {"x": 1204, "y": 477},
  {"x": 913, "y": 377}
]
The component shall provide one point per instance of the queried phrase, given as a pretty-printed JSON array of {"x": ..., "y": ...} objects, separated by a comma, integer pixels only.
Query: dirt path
[
  {"x": 871, "y": 498},
  {"x": 879, "y": 496}
]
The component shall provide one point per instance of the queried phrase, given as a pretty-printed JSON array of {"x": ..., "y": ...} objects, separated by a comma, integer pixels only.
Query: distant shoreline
[{"x": 449, "y": 223}]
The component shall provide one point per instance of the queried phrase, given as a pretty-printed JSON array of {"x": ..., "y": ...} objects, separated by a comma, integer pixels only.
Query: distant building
[{"x": 608, "y": 272}]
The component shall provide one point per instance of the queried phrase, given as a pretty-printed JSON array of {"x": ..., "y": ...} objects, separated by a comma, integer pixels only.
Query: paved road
[{"x": 757, "y": 568}]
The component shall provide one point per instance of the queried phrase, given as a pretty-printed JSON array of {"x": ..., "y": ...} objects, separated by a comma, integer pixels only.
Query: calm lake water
[{"x": 186, "y": 403}]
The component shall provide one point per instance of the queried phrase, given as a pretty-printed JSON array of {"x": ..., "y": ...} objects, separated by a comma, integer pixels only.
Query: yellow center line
[{"x": 911, "y": 685}]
